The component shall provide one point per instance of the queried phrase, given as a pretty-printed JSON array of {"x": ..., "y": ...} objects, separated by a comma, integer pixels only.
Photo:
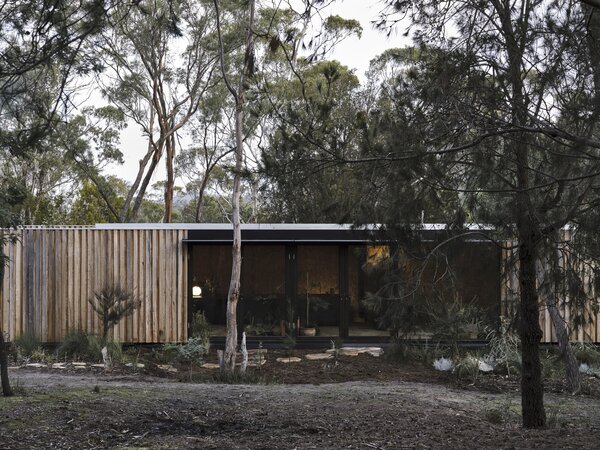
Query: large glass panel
[
  {"x": 318, "y": 300},
  {"x": 211, "y": 273},
  {"x": 262, "y": 305},
  {"x": 366, "y": 274}
]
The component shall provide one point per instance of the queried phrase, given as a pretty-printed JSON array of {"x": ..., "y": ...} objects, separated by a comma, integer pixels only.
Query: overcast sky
[{"x": 353, "y": 52}]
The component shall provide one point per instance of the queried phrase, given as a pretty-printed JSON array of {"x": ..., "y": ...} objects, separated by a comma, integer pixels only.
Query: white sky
[{"x": 353, "y": 52}]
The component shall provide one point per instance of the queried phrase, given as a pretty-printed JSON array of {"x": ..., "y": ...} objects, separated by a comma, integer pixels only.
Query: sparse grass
[
  {"x": 502, "y": 412},
  {"x": 587, "y": 353},
  {"x": 27, "y": 343},
  {"x": 88, "y": 347}
]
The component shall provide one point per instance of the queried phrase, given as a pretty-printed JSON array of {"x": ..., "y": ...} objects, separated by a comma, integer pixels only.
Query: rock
[
  {"x": 35, "y": 365},
  {"x": 135, "y": 365},
  {"x": 254, "y": 362},
  {"x": 210, "y": 366},
  {"x": 318, "y": 356},
  {"x": 344, "y": 351},
  {"x": 373, "y": 351},
  {"x": 443, "y": 364},
  {"x": 485, "y": 367},
  {"x": 287, "y": 360},
  {"x": 167, "y": 368}
]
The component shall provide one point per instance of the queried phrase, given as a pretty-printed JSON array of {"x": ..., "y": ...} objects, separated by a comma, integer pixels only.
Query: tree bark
[
  {"x": 572, "y": 377},
  {"x": 236, "y": 252},
  {"x": 200, "y": 201},
  {"x": 532, "y": 391},
  {"x": 6, "y": 390},
  {"x": 170, "y": 184}
]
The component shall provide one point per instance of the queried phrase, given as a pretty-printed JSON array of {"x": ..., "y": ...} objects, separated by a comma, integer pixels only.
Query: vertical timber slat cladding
[
  {"x": 52, "y": 272},
  {"x": 121, "y": 279},
  {"x": 75, "y": 235},
  {"x": 51, "y": 239},
  {"x": 135, "y": 283},
  {"x": 155, "y": 281},
  {"x": 148, "y": 287},
  {"x": 5, "y": 306},
  {"x": 587, "y": 331},
  {"x": 130, "y": 274},
  {"x": 182, "y": 286},
  {"x": 44, "y": 283}
]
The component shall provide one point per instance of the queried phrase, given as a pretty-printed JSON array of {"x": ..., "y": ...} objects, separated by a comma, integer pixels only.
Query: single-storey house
[{"x": 293, "y": 276}]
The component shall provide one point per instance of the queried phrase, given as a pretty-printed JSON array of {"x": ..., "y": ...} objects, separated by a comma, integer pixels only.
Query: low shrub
[
  {"x": 40, "y": 355},
  {"x": 501, "y": 413},
  {"x": 27, "y": 343},
  {"x": 200, "y": 328},
  {"x": 504, "y": 348},
  {"x": 467, "y": 369},
  {"x": 81, "y": 345},
  {"x": 77, "y": 345},
  {"x": 587, "y": 353}
]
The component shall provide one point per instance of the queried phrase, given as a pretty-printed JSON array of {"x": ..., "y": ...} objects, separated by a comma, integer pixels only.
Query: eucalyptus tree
[
  {"x": 160, "y": 60},
  {"x": 507, "y": 121}
]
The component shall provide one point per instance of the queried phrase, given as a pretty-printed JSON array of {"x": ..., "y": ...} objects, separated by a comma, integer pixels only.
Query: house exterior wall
[{"x": 52, "y": 272}]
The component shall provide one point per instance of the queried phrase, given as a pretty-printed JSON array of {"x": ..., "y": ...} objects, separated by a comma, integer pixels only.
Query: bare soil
[{"x": 363, "y": 402}]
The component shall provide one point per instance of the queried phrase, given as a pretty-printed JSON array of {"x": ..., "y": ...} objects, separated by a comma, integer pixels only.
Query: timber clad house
[{"x": 294, "y": 276}]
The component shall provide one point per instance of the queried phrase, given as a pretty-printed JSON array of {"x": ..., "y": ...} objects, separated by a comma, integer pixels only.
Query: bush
[
  {"x": 191, "y": 352},
  {"x": 200, "y": 328},
  {"x": 452, "y": 321},
  {"x": 504, "y": 346},
  {"x": 27, "y": 343},
  {"x": 587, "y": 353},
  {"x": 467, "y": 369},
  {"x": 81, "y": 345},
  {"x": 78, "y": 345}
]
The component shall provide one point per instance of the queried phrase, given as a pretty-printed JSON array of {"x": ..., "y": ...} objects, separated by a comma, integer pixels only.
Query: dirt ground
[{"x": 408, "y": 407}]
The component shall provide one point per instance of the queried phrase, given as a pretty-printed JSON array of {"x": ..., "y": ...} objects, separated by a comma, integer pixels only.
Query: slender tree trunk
[
  {"x": 236, "y": 252},
  {"x": 169, "y": 187},
  {"x": 561, "y": 329},
  {"x": 532, "y": 391},
  {"x": 142, "y": 163},
  {"x": 6, "y": 390},
  {"x": 140, "y": 197},
  {"x": 200, "y": 202}
]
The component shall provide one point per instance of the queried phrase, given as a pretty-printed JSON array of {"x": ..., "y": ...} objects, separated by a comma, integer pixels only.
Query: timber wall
[
  {"x": 52, "y": 272},
  {"x": 588, "y": 314}
]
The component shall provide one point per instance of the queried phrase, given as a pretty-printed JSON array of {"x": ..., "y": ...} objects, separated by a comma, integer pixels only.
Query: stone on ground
[
  {"x": 210, "y": 366},
  {"x": 287, "y": 360},
  {"x": 318, "y": 356},
  {"x": 344, "y": 351}
]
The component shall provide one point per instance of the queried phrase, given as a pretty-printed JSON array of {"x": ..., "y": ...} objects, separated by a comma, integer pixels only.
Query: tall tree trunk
[
  {"x": 532, "y": 391},
  {"x": 200, "y": 202},
  {"x": 6, "y": 390},
  {"x": 140, "y": 197},
  {"x": 228, "y": 363},
  {"x": 169, "y": 186},
  {"x": 236, "y": 252},
  {"x": 528, "y": 235}
]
